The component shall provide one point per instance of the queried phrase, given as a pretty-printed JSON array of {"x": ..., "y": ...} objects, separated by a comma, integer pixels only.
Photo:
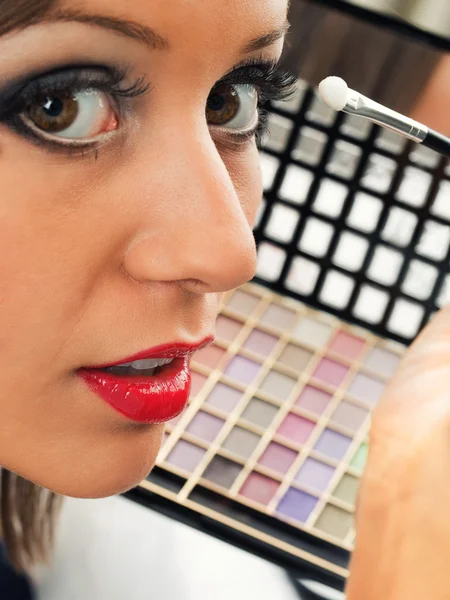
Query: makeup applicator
[{"x": 338, "y": 96}]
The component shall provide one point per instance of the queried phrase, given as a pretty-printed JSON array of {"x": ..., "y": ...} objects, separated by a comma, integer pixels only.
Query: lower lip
[{"x": 155, "y": 399}]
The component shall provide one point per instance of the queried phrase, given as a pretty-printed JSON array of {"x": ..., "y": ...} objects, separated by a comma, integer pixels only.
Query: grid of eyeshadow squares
[
  {"x": 279, "y": 412},
  {"x": 355, "y": 219}
]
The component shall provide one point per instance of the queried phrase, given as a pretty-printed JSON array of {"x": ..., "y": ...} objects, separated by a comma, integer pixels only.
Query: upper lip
[{"x": 171, "y": 350}]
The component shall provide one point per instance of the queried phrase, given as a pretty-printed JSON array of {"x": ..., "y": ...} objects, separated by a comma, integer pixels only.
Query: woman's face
[{"x": 129, "y": 182}]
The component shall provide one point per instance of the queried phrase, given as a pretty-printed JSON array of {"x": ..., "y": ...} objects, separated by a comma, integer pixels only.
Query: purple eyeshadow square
[
  {"x": 315, "y": 474},
  {"x": 224, "y": 397},
  {"x": 186, "y": 456},
  {"x": 333, "y": 444},
  {"x": 296, "y": 505},
  {"x": 242, "y": 369},
  {"x": 278, "y": 457},
  {"x": 260, "y": 342},
  {"x": 367, "y": 388},
  {"x": 205, "y": 426}
]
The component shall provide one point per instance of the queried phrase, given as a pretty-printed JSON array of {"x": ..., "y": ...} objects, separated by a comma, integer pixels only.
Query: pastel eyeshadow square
[
  {"x": 335, "y": 521},
  {"x": 241, "y": 442},
  {"x": 360, "y": 458},
  {"x": 242, "y": 302},
  {"x": 224, "y": 397},
  {"x": 315, "y": 474},
  {"x": 185, "y": 456},
  {"x": 259, "y": 412},
  {"x": 279, "y": 317},
  {"x": 296, "y": 428},
  {"x": 260, "y": 342},
  {"x": 333, "y": 444},
  {"x": 222, "y": 471},
  {"x": 205, "y": 426},
  {"x": 277, "y": 385},
  {"x": 349, "y": 415},
  {"x": 259, "y": 488},
  {"x": 242, "y": 369},
  {"x": 347, "y": 489},
  {"x": 383, "y": 361},
  {"x": 277, "y": 457},
  {"x": 331, "y": 372},
  {"x": 367, "y": 388},
  {"x": 209, "y": 356},
  {"x": 297, "y": 505},
  {"x": 313, "y": 399},
  {"x": 197, "y": 383},
  {"x": 347, "y": 345},
  {"x": 312, "y": 332},
  {"x": 295, "y": 357},
  {"x": 227, "y": 329}
]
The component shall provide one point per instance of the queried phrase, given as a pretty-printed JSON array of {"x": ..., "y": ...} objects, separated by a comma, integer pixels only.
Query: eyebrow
[{"x": 144, "y": 34}]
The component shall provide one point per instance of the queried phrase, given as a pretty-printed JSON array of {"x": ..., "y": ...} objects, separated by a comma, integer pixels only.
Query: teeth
[{"x": 150, "y": 363}]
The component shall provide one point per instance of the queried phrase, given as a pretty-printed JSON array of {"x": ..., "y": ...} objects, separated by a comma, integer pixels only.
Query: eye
[
  {"x": 233, "y": 106},
  {"x": 72, "y": 116}
]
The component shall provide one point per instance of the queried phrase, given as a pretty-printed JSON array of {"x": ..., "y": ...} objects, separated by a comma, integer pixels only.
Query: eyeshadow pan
[
  {"x": 315, "y": 474},
  {"x": 242, "y": 302},
  {"x": 349, "y": 415},
  {"x": 367, "y": 388},
  {"x": 297, "y": 505},
  {"x": 260, "y": 342},
  {"x": 224, "y": 397},
  {"x": 242, "y": 369},
  {"x": 277, "y": 385},
  {"x": 295, "y": 357},
  {"x": 209, "y": 356},
  {"x": 347, "y": 345},
  {"x": 313, "y": 399},
  {"x": 347, "y": 489},
  {"x": 335, "y": 521},
  {"x": 277, "y": 457},
  {"x": 197, "y": 383},
  {"x": 360, "y": 458},
  {"x": 259, "y": 412},
  {"x": 331, "y": 372},
  {"x": 295, "y": 428},
  {"x": 186, "y": 456},
  {"x": 227, "y": 329},
  {"x": 241, "y": 442},
  {"x": 279, "y": 317},
  {"x": 222, "y": 471},
  {"x": 310, "y": 331},
  {"x": 333, "y": 444},
  {"x": 205, "y": 426},
  {"x": 259, "y": 488},
  {"x": 383, "y": 361}
]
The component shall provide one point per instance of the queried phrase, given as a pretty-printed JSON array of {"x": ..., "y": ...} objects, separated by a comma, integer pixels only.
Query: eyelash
[{"x": 271, "y": 82}]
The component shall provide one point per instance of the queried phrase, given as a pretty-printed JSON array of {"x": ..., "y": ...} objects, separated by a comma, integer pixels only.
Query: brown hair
[{"x": 27, "y": 511}]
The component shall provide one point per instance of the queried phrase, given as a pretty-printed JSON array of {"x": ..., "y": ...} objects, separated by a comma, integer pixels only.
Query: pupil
[
  {"x": 53, "y": 107},
  {"x": 216, "y": 102}
]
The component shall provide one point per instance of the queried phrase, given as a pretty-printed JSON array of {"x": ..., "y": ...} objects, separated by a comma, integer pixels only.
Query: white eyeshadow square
[
  {"x": 344, "y": 159},
  {"x": 310, "y": 146},
  {"x": 351, "y": 251},
  {"x": 399, "y": 227},
  {"x": 365, "y": 212},
  {"x": 316, "y": 237},
  {"x": 337, "y": 289},
  {"x": 269, "y": 168},
  {"x": 270, "y": 261},
  {"x": 434, "y": 240},
  {"x": 302, "y": 276},
  {"x": 278, "y": 131},
  {"x": 356, "y": 127},
  {"x": 330, "y": 198},
  {"x": 296, "y": 184},
  {"x": 390, "y": 140},
  {"x": 406, "y": 318},
  {"x": 379, "y": 173},
  {"x": 443, "y": 297},
  {"x": 282, "y": 223},
  {"x": 424, "y": 156},
  {"x": 319, "y": 112},
  {"x": 420, "y": 280},
  {"x": 385, "y": 265},
  {"x": 371, "y": 304},
  {"x": 441, "y": 204},
  {"x": 414, "y": 187}
]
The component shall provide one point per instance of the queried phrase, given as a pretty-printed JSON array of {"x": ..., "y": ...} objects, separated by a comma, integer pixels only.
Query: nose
[{"x": 193, "y": 229}]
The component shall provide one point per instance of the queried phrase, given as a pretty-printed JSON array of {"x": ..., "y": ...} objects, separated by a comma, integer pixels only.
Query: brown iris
[
  {"x": 223, "y": 105},
  {"x": 53, "y": 114}
]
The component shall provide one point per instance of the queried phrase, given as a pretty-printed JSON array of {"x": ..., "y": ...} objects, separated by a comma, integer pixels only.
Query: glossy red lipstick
[{"x": 144, "y": 398}]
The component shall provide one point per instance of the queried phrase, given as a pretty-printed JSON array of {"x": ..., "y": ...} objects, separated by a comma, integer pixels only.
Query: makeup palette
[{"x": 274, "y": 440}]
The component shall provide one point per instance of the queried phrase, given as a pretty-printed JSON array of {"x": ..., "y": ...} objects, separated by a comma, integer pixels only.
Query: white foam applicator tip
[{"x": 334, "y": 92}]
